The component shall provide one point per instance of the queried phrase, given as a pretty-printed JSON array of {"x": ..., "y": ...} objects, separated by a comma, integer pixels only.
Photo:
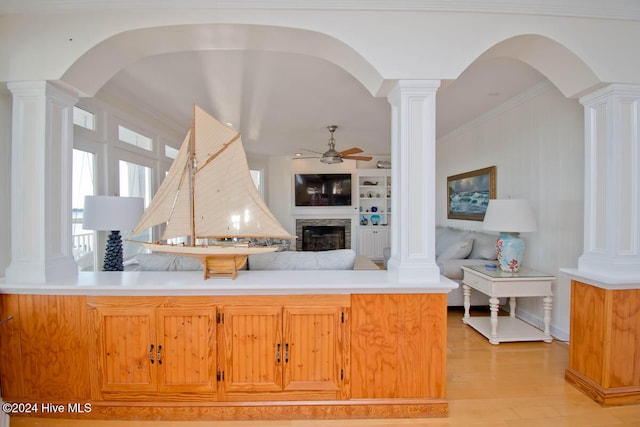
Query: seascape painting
[{"x": 469, "y": 193}]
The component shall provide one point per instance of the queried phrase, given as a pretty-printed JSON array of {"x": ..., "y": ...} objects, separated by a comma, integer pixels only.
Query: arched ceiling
[
  {"x": 282, "y": 102},
  {"x": 281, "y": 87}
]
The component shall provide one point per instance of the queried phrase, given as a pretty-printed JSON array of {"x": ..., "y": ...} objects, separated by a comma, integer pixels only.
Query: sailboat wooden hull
[{"x": 202, "y": 252}]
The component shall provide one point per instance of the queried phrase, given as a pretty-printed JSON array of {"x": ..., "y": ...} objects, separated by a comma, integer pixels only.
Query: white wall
[
  {"x": 5, "y": 179},
  {"x": 536, "y": 142}
]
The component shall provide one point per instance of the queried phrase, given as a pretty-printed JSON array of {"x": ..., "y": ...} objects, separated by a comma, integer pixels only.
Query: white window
[
  {"x": 256, "y": 175},
  {"x": 83, "y": 185},
  {"x": 170, "y": 152},
  {"x": 134, "y": 138},
  {"x": 135, "y": 181},
  {"x": 84, "y": 118}
]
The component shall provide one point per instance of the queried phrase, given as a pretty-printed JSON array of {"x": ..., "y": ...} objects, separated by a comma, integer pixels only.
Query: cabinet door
[
  {"x": 185, "y": 352},
  {"x": 314, "y": 340},
  {"x": 365, "y": 240},
  {"x": 253, "y": 350},
  {"x": 126, "y": 358},
  {"x": 381, "y": 241}
]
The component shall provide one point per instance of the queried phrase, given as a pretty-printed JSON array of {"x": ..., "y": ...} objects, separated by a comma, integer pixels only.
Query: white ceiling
[{"x": 282, "y": 103}]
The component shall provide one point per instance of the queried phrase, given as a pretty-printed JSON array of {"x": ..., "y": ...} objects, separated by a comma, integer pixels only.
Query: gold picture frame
[{"x": 468, "y": 193}]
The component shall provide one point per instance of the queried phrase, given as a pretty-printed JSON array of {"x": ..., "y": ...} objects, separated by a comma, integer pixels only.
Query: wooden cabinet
[
  {"x": 153, "y": 347},
  {"x": 284, "y": 352},
  {"x": 227, "y": 357}
]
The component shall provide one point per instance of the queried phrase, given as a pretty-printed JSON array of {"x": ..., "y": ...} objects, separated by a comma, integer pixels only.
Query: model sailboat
[{"x": 209, "y": 199}]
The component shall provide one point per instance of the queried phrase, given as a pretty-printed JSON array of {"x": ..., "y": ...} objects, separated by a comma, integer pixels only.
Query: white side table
[{"x": 497, "y": 283}]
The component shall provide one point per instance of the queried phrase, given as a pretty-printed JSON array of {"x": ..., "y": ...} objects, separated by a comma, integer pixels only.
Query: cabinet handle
[
  {"x": 159, "y": 356},
  {"x": 151, "y": 355},
  {"x": 286, "y": 353},
  {"x": 278, "y": 353}
]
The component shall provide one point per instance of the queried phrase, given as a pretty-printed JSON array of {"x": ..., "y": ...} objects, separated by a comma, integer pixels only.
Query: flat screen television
[{"x": 323, "y": 189}]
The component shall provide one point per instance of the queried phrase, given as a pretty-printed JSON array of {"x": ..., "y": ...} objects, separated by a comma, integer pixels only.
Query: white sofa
[
  {"x": 455, "y": 248},
  {"x": 340, "y": 259}
]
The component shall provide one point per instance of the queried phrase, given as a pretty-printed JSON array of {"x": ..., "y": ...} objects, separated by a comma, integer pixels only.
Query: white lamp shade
[
  {"x": 509, "y": 216},
  {"x": 111, "y": 213}
]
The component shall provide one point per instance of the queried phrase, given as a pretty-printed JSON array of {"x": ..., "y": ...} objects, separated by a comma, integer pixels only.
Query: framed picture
[{"x": 468, "y": 193}]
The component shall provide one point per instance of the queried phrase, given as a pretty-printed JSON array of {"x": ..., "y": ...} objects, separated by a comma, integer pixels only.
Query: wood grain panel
[
  {"x": 252, "y": 344},
  {"x": 625, "y": 339},
  {"x": 186, "y": 361},
  {"x": 311, "y": 342},
  {"x": 276, "y": 410},
  {"x": 54, "y": 346},
  {"x": 11, "y": 363},
  {"x": 587, "y": 330},
  {"x": 398, "y": 346},
  {"x": 125, "y": 337},
  {"x": 605, "y": 343}
]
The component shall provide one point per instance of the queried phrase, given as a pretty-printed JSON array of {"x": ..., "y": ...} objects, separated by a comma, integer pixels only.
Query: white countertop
[
  {"x": 281, "y": 282},
  {"x": 601, "y": 281}
]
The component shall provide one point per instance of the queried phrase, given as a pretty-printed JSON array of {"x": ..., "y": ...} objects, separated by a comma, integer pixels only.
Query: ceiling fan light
[{"x": 331, "y": 159}]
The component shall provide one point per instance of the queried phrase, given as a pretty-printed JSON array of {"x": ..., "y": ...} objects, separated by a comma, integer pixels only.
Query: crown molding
[{"x": 611, "y": 9}]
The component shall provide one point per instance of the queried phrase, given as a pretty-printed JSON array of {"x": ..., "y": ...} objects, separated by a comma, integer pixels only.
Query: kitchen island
[{"x": 268, "y": 345}]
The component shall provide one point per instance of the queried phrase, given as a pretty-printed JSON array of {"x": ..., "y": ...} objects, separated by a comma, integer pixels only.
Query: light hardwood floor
[{"x": 509, "y": 385}]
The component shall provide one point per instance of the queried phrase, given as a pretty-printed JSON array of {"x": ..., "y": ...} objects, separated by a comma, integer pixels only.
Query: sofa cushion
[
  {"x": 339, "y": 259},
  {"x": 447, "y": 236},
  {"x": 457, "y": 250},
  {"x": 167, "y": 262},
  {"x": 484, "y": 246}
]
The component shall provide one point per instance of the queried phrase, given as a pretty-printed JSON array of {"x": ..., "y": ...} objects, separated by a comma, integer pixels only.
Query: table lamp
[
  {"x": 510, "y": 217},
  {"x": 112, "y": 213}
]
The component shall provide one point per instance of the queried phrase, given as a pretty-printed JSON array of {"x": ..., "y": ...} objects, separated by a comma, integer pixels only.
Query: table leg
[
  {"x": 494, "y": 304},
  {"x": 512, "y": 306},
  {"x": 547, "y": 318},
  {"x": 466, "y": 292}
]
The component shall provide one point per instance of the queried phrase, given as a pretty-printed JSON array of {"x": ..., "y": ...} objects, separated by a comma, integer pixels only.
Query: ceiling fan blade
[
  {"x": 311, "y": 151},
  {"x": 353, "y": 150},
  {"x": 304, "y": 157},
  {"x": 367, "y": 158}
]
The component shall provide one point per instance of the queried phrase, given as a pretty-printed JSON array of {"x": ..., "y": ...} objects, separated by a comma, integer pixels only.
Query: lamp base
[
  {"x": 510, "y": 249},
  {"x": 113, "y": 254}
]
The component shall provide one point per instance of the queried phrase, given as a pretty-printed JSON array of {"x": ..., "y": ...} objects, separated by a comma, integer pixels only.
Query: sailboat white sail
[{"x": 209, "y": 196}]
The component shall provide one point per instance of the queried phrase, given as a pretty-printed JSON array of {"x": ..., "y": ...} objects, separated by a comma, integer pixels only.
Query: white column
[
  {"x": 612, "y": 183},
  {"x": 413, "y": 155},
  {"x": 41, "y": 175}
]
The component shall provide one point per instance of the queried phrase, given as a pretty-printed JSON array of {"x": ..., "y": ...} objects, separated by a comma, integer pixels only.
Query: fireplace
[
  {"x": 322, "y": 237},
  {"x": 323, "y": 234}
]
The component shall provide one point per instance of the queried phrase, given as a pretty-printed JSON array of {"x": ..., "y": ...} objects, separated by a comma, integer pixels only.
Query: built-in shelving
[{"x": 374, "y": 211}]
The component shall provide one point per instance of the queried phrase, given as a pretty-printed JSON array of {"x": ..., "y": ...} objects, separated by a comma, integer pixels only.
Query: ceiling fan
[{"x": 332, "y": 156}]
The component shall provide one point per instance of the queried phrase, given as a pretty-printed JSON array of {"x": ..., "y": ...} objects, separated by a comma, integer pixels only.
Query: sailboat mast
[{"x": 192, "y": 168}]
